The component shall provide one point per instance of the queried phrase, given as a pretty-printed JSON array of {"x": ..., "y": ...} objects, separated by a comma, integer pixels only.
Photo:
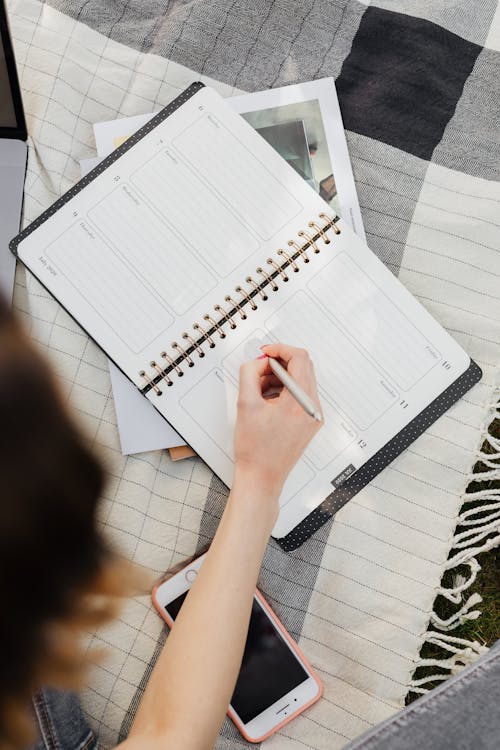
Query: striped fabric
[{"x": 418, "y": 88}]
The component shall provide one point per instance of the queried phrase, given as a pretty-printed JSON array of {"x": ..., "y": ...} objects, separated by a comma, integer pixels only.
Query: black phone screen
[{"x": 269, "y": 668}]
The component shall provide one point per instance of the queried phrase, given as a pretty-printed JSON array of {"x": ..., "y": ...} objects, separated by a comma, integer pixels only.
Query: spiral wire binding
[{"x": 182, "y": 355}]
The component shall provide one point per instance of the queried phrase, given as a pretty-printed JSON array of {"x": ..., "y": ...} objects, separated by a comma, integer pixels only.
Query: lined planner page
[
  {"x": 191, "y": 218},
  {"x": 161, "y": 236}
]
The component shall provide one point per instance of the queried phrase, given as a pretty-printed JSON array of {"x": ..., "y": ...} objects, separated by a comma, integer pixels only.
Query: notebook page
[{"x": 160, "y": 237}]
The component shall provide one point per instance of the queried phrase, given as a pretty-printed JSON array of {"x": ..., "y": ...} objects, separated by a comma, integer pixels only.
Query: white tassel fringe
[
  {"x": 462, "y": 652},
  {"x": 481, "y": 534}
]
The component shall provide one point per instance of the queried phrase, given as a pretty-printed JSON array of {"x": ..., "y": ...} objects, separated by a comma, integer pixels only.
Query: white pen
[{"x": 294, "y": 388}]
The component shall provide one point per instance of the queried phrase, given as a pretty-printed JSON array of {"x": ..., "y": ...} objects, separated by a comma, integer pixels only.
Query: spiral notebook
[{"x": 194, "y": 243}]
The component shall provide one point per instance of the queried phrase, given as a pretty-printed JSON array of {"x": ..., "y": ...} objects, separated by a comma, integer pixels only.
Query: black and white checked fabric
[{"x": 418, "y": 89}]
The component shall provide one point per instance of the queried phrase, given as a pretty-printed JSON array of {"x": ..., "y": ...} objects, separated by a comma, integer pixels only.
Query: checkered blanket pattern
[{"x": 418, "y": 89}]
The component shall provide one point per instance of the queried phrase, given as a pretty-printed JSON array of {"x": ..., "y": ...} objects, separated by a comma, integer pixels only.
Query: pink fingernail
[{"x": 262, "y": 356}]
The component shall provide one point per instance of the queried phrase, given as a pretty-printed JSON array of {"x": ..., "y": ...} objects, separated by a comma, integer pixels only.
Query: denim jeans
[
  {"x": 61, "y": 723},
  {"x": 461, "y": 714}
]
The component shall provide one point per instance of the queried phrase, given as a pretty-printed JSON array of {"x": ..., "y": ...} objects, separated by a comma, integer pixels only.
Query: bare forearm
[{"x": 193, "y": 681}]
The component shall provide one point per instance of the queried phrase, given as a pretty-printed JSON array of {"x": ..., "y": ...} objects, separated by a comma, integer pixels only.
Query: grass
[{"x": 486, "y": 629}]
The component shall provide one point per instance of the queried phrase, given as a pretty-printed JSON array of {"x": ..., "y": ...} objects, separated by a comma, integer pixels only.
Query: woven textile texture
[{"x": 418, "y": 89}]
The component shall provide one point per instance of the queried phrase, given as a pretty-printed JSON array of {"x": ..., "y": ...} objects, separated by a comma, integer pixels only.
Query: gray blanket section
[
  {"x": 134, "y": 705},
  {"x": 471, "y": 140},
  {"x": 388, "y": 182},
  {"x": 469, "y": 19},
  {"x": 251, "y": 45}
]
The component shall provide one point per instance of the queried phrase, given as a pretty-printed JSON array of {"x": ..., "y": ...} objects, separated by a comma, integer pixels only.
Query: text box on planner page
[
  {"x": 197, "y": 214},
  {"x": 211, "y": 403},
  {"x": 347, "y": 378},
  {"x": 237, "y": 174},
  {"x": 374, "y": 321},
  {"x": 246, "y": 351},
  {"x": 335, "y": 435},
  {"x": 109, "y": 286},
  {"x": 156, "y": 253}
]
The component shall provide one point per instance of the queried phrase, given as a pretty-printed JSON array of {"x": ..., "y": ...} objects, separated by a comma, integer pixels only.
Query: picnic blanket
[{"x": 418, "y": 89}]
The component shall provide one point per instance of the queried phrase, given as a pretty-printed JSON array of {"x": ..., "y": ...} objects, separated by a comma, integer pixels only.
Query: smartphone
[{"x": 275, "y": 683}]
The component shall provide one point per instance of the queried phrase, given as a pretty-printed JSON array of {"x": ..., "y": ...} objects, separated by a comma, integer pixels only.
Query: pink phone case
[{"x": 165, "y": 616}]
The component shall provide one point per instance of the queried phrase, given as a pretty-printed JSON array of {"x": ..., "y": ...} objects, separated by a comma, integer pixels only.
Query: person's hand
[{"x": 272, "y": 433}]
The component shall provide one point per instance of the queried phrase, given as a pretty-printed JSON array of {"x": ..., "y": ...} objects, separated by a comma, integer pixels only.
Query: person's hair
[{"x": 57, "y": 574}]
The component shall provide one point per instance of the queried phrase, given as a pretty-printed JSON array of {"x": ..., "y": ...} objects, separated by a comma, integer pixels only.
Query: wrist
[
  {"x": 262, "y": 483},
  {"x": 256, "y": 490}
]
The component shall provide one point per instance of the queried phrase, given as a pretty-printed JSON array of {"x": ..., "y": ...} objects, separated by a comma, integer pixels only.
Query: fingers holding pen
[
  {"x": 271, "y": 434},
  {"x": 256, "y": 379},
  {"x": 296, "y": 361},
  {"x": 250, "y": 377},
  {"x": 298, "y": 364}
]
